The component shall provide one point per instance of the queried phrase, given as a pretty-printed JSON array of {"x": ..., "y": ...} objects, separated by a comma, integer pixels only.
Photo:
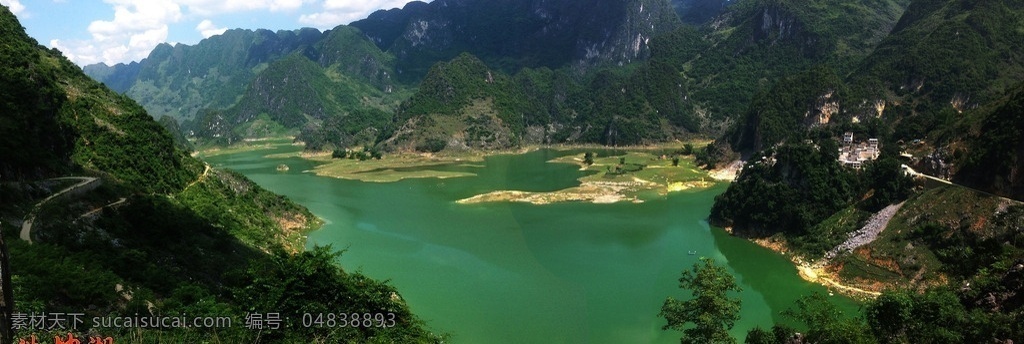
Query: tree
[
  {"x": 779, "y": 334},
  {"x": 709, "y": 156},
  {"x": 711, "y": 311},
  {"x": 827, "y": 324},
  {"x": 889, "y": 315},
  {"x": 759, "y": 335},
  {"x": 890, "y": 184},
  {"x": 936, "y": 316},
  {"x": 588, "y": 158}
]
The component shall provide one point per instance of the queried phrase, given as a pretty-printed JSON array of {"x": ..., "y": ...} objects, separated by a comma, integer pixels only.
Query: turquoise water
[{"x": 523, "y": 273}]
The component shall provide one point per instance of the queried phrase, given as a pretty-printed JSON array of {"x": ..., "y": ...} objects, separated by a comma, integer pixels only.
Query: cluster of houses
[{"x": 853, "y": 154}]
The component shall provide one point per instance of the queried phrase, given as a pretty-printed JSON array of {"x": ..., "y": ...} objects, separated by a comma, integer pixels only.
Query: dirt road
[{"x": 26, "y": 226}]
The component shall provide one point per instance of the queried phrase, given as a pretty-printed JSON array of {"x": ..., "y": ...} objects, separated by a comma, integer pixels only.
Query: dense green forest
[
  {"x": 997, "y": 148},
  {"x": 160, "y": 234}
]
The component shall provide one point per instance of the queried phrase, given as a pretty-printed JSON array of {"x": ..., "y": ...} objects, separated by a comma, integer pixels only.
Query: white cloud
[
  {"x": 213, "y": 7},
  {"x": 138, "y": 27},
  {"x": 207, "y": 29},
  {"x": 326, "y": 20},
  {"x": 338, "y": 12},
  {"x": 15, "y": 6}
]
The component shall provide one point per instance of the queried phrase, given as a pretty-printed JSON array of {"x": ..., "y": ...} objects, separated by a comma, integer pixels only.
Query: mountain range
[
  {"x": 638, "y": 49},
  {"x": 376, "y": 65}
]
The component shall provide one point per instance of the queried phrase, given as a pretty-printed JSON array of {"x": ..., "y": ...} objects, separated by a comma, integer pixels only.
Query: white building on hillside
[{"x": 854, "y": 154}]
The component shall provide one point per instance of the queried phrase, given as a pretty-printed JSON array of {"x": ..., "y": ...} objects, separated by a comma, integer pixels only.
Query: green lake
[{"x": 523, "y": 273}]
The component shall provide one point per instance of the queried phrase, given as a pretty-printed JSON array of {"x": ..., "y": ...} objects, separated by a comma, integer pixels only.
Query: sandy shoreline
[{"x": 815, "y": 272}]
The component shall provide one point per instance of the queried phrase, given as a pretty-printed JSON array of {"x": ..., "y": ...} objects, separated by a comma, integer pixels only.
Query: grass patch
[
  {"x": 831, "y": 232},
  {"x": 262, "y": 126},
  {"x": 645, "y": 165},
  {"x": 855, "y": 267},
  {"x": 393, "y": 168},
  {"x": 245, "y": 146}
]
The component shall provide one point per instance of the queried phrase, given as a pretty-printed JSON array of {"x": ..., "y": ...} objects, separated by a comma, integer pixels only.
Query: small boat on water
[{"x": 693, "y": 253}]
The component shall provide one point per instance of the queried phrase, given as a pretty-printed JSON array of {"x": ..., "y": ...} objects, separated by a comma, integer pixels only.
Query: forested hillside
[
  {"x": 155, "y": 232},
  {"x": 941, "y": 94},
  {"x": 942, "y": 61},
  {"x": 996, "y": 148},
  {"x": 958, "y": 106}
]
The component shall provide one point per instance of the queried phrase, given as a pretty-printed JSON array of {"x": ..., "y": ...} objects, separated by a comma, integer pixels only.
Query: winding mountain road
[
  {"x": 203, "y": 176},
  {"x": 907, "y": 170},
  {"x": 910, "y": 172},
  {"x": 86, "y": 182},
  {"x": 97, "y": 210}
]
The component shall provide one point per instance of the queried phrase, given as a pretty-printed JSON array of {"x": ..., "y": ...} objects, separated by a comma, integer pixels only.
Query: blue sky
[{"x": 115, "y": 31}]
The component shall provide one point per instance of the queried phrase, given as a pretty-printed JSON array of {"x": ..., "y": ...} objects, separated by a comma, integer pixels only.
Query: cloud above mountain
[
  {"x": 15, "y": 6},
  {"x": 129, "y": 29},
  {"x": 335, "y": 12}
]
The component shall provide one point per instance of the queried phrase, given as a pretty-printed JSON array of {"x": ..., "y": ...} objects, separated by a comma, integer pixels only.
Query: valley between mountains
[{"x": 482, "y": 170}]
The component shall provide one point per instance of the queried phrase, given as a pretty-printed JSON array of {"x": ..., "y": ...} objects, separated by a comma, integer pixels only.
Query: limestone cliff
[{"x": 516, "y": 34}]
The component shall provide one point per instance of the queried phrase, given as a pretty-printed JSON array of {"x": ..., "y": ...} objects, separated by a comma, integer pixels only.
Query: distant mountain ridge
[
  {"x": 592, "y": 51},
  {"x": 757, "y": 71},
  {"x": 181, "y": 80},
  {"x": 246, "y": 93}
]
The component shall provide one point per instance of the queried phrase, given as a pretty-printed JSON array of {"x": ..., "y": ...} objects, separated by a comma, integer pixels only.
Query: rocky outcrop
[
  {"x": 823, "y": 109},
  {"x": 1009, "y": 296},
  {"x": 550, "y": 33}
]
